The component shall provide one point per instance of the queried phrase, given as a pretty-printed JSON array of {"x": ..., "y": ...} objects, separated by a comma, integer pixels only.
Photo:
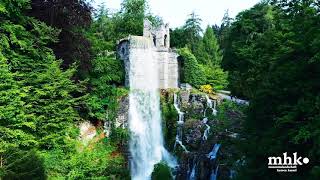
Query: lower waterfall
[{"x": 146, "y": 141}]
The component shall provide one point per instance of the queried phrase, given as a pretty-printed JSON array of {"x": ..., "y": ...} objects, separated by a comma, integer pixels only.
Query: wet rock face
[
  {"x": 194, "y": 105},
  {"x": 200, "y": 163},
  {"x": 122, "y": 116},
  {"x": 184, "y": 95},
  {"x": 193, "y": 134},
  {"x": 223, "y": 131}
]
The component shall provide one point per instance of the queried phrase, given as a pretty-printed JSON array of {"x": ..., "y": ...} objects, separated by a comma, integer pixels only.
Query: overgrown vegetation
[{"x": 169, "y": 119}]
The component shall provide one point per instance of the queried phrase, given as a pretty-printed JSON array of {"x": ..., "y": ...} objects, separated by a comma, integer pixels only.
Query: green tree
[
  {"x": 44, "y": 105},
  {"x": 216, "y": 77},
  {"x": 274, "y": 61},
  {"x": 22, "y": 164},
  {"x": 192, "y": 71},
  {"x": 107, "y": 71},
  {"x": 177, "y": 38},
  {"x": 71, "y": 17},
  {"x": 209, "y": 52},
  {"x": 192, "y": 30},
  {"x": 245, "y": 34},
  {"x": 130, "y": 19}
]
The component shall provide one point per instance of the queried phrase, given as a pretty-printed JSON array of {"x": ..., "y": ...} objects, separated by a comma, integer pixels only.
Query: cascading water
[
  {"x": 214, "y": 173},
  {"x": 234, "y": 99},
  {"x": 211, "y": 106},
  {"x": 180, "y": 124},
  {"x": 205, "y": 120},
  {"x": 146, "y": 142},
  {"x": 193, "y": 172}
]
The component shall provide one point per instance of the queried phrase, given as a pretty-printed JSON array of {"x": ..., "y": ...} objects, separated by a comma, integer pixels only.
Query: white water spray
[
  {"x": 146, "y": 142},
  {"x": 180, "y": 123},
  {"x": 211, "y": 106}
]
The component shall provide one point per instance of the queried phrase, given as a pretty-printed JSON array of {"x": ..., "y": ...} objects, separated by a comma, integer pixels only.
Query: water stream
[
  {"x": 180, "y": 123},
  {"x": 210, "y": 105},
  {"x": 234, "y": 99}
]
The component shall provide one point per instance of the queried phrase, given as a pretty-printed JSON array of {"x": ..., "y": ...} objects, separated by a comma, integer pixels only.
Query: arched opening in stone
[
  {"x": 154, "y": 40},
  {"x": 165, "y": 40}
]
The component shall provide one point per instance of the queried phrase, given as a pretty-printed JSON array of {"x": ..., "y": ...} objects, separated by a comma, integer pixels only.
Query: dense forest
[{"x": 58, "y": 67}]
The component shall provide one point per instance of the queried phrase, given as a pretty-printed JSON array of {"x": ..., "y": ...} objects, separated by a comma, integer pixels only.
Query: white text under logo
[{"x": 287, "y": 163}]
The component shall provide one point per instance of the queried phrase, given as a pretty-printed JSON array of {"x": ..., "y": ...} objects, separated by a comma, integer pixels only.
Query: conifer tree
[
  {"x": 211, "y": 47},
  {"x": 36, "y": 93}
]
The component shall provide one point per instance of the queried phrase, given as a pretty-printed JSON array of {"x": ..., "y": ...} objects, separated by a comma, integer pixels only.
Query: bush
[
  {"x": 96, "y": 161},
  {"x": 192, "y": 71},
  {"x": 161, "y": 172},
  {"x": 169, "y": 123},
  {"x": 216, "y": 77},
  {"x": 206, "y": 89}
]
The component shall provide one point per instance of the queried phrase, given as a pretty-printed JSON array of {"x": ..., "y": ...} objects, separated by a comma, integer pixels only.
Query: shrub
[
  {"x": 216, "y": 77},
  {"x": 161, "y": 172},
  {"x": 206, "y": 89},
  {"x": 192, "y": 71}
]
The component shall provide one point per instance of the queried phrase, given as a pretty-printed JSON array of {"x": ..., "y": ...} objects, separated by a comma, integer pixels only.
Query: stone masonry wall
[{"x": 167, "y": 59}]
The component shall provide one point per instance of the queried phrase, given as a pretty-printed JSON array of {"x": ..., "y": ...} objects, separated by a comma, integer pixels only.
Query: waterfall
[
  {"x": 180, "y": 123},
  {"x": 146, "y": 141},
  {"x": 211, "y": 106},
  {"x": 213, "y": 154},
  {"x": 214, "y": 173},
  {"x": 206, "y": 133},
  {"x": 176, "y": 106},
  {"x": 193, "y": 172}
]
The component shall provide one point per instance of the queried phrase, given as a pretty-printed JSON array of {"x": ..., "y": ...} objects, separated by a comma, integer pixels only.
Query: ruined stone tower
[{"x": 157, "y": 40}]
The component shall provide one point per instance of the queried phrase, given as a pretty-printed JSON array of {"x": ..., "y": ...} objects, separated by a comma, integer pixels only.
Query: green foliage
[
  {"x": 169, "y": 119},
  {"x": 38, "y": 94},
  {"x": 103, "y": 102},
  {"x": 21, "y": 164},
  {"x": 71, "y": 17},
  {"x": 128, "y": 21},
  {"x": 192, "y": 71},
  {"x": 96, "y": 161},
  {"x": 273, "y": 59},
  {"x": 161, "y": 172},
  {"x": 197, "y": 74},
  {"x": 211, "y": 54},
  {"x": 177, "y": 38},
  {"x": 132, "y": 15},
  {"x": 107, "y": 71},
  {"x": 156, "y": 21},
  {"x": 192, "y": 30},
  {"x": 119, "y": 136},
  {"x": 202, "y": 65},
  {"x": 16, "y": 127},
  {"x": 216, "y": 77}
]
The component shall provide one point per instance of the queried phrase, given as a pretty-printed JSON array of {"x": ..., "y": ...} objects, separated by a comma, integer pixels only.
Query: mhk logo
[
  {"x": 286, "y": 160},
  {"x": 287, "y": 163}
]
